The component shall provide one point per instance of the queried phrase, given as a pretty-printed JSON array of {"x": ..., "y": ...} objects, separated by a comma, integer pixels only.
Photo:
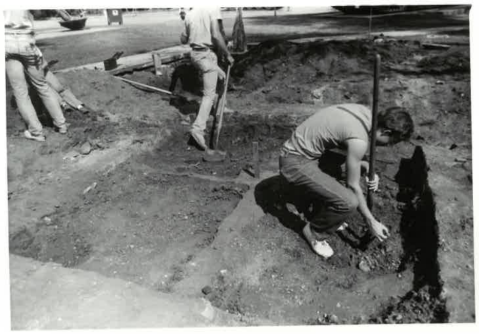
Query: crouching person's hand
[
  {"x": 378, "y": 230},
  {"x": 221, "y": 73},
  {"x": 183, "y": 38},
  {"x": 373, "y": 184}
]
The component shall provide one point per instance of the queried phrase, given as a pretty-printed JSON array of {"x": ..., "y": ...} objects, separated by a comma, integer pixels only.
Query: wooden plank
[
  {"x": 137, "y": 62},
  {"x": 144, "y": 64},
  {"x": 433, "y": 46}
]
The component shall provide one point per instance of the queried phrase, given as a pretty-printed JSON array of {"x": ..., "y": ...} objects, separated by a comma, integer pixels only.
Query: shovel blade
[{"x": 214, "y": 156}]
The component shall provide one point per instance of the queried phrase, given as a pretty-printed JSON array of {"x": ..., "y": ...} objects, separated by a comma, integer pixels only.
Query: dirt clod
[
  {"x": 364, "y": 266},
  {"x": 86, "y": 148},
  {"x": 207, "y": 290}
]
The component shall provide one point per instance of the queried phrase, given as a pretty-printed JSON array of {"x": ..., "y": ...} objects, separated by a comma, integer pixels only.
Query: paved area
[
  {"x": 92, "y": 301},
  {"x": 51, "y": 28}
]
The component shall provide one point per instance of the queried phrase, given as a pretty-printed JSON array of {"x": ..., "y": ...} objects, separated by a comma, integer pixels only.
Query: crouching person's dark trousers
[{"x": 335, "y": 202}]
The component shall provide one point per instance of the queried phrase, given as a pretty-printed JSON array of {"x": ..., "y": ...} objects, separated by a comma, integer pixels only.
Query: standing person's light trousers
[
  {"x": 207, "y": 63},
  {"x": 23, "y": 62},
  {"x": 63, "y": 94}
]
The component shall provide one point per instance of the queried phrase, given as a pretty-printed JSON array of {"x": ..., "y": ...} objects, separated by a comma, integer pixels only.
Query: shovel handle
[
  {"x": 372, "y": 147},
  {"x": 159, "y": 90},
  {"x": 221, "y": 109}
]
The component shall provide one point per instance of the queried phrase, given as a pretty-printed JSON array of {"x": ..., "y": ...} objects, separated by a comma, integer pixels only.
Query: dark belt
[
  {"x": 201, "y": 49},
  {"x": 285, "y": 153}
]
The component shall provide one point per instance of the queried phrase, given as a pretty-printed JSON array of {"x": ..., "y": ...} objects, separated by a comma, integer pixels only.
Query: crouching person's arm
[{"x": 356, "y": 150}]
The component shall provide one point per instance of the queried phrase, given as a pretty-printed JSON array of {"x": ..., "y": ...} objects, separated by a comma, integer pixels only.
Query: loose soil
[{"x": 144, "y": 206}]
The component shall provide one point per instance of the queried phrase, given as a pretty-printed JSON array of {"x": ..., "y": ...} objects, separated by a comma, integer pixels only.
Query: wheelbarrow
[{"x": 78, "y": 24}]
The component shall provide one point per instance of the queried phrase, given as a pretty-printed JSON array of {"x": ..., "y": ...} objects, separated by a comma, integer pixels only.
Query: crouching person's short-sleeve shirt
[{"x": 330, "y": 128}]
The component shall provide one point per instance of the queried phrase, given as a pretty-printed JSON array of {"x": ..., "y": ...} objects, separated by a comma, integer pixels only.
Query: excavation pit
[
  {"x": 167, "y": 220},
  {"x": 136, "y": 224}
]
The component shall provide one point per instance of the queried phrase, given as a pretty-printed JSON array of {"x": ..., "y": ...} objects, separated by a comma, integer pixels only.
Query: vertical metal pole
[
  {"x": 372, "y": 147},
  {"x": 256, "y": 159}
]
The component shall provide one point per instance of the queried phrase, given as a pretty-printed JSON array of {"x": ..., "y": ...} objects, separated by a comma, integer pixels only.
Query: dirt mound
[
  {"x": 453, "y": 61},
  {"x": 116, "y": 99},
  {"x": 415, "y": 307},
  {"x": 278, "y": 65},
  {"x": 286, "y": 72}
]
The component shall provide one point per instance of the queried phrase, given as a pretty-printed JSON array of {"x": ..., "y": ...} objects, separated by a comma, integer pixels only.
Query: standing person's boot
[
  {"x": 63, "y": 129},
  {"x": 199, "y": 138}
]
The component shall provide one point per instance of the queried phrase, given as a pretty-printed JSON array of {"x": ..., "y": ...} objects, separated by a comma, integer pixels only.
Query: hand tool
[{"x": 213, "y": 154}]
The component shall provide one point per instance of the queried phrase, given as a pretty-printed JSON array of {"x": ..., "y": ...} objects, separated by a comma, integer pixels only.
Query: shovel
[
  {"x": 213, "y": 154},
  {"x": 368, "y": 237},
  {"x": 158, "y": 90}
]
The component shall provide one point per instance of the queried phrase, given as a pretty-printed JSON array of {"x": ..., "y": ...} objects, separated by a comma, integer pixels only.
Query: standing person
[
  {"x": 346, "y": 127},
  {"x": 23, "y": 64},
  {"x": 203, "y": 34}
]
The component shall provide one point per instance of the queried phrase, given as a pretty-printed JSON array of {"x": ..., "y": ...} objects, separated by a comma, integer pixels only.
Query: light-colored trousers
[
  {"x": 23, "y": 65},
  {"x": 63, "y": 94},
  {"x": 207, "y": 63}
]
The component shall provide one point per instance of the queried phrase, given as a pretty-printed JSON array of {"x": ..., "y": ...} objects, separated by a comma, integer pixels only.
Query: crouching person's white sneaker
[
  {"x": 342, "y": 227},
  {"x": 321, "y": 248}
]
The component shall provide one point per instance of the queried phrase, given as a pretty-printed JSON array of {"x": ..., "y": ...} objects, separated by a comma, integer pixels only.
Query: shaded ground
[{"x": 144, "y": 207}]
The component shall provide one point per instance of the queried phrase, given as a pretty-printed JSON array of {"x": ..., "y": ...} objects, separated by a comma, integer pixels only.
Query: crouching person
[{"x": 346, "y": 127}]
